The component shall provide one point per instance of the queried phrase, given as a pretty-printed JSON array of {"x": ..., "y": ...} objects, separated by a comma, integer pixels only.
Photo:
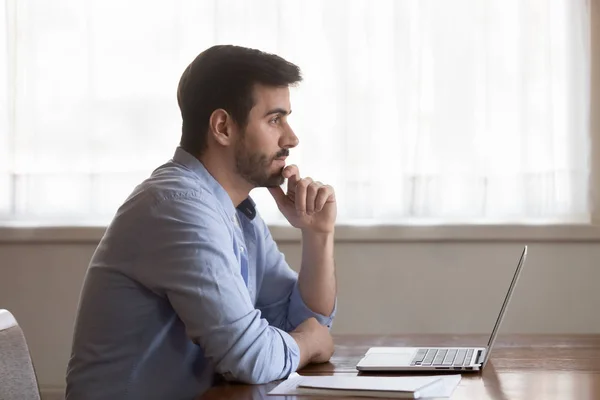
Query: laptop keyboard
[{"x": 442, "y": 357}]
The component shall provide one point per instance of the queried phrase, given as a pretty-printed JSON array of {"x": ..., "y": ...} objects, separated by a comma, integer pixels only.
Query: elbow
[
  {"x": 248, "y": 374},
  {"x": 258, "y": 372},
  {"x": 253, "y": 378}
]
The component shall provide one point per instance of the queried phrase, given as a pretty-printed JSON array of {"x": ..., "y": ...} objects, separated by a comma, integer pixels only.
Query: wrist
[{"x": 318, "y": 236}]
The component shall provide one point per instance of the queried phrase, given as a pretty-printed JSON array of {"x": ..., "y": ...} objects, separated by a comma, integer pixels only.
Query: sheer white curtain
[{"x": 415, "y": 110}]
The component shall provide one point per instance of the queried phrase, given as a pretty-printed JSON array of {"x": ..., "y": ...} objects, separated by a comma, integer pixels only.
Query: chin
[{"x": 274, "y": 181}]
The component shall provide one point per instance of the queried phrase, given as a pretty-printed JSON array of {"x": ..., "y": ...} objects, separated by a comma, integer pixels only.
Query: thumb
[{"x": 278, "y": 195}]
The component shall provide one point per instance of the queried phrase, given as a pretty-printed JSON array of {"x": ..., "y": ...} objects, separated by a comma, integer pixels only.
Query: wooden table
[{"x": 521, "y": 367}]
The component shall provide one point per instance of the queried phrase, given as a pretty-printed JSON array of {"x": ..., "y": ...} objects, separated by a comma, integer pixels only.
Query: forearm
[
  {"x": 316, "y": 281},
  {"x": 259, "y": 355},
  {"x": 314, "y": 342},
  {"x": 303, "y": 340}
]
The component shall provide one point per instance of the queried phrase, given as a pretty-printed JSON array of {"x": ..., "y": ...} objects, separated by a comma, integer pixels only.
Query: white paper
[
  {"x": 443, "y": 386},
  {"x": 288, "y": 386},
  {"x": 348, "y": 382}
]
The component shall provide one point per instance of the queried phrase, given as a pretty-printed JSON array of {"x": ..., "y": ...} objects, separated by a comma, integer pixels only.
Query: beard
[{"x": 255, "y": 167}]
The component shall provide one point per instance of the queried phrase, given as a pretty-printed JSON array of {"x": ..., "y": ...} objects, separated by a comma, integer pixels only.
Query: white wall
[{"x": 391, "y": 287}]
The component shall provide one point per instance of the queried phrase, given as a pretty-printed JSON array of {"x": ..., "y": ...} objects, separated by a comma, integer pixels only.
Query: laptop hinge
[{"x": 480, "y": 357}]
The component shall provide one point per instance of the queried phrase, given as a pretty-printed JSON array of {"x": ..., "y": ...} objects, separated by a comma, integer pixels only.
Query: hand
[
  {"x": 314, "y": 340},
  {"x": 307, "y": 205}
]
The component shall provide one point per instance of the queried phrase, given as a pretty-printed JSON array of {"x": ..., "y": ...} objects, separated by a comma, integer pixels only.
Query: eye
[{"x": 275, "y": 120}]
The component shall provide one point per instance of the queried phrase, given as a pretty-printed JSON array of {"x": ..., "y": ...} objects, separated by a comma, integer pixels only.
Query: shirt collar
[{"x": 247, "y": 207}]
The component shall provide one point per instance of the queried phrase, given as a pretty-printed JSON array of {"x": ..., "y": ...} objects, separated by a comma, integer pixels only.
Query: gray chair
[{"x": 17, "y": 376}]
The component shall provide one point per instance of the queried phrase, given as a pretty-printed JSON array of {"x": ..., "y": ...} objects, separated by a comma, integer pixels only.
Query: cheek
[
  {"x": 263, "y": 137},
  {"x": 266, "y": 138}
]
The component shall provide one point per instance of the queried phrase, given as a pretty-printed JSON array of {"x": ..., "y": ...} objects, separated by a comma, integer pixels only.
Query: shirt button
[{"x": 242, "y": 249}]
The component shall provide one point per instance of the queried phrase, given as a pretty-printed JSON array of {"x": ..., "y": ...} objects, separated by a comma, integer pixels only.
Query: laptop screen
[{"x": 505, "y": 305}]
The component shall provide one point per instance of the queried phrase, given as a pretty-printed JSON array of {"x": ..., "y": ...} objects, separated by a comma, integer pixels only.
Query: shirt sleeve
[
  {"x": 279, "y": 297},
  {"x": 189, "y": 259}
]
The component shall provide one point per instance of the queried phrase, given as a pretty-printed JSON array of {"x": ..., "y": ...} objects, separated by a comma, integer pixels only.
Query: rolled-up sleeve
[
  {"x": 279, "y": 298},
  {"x": 192, "y": 264}
]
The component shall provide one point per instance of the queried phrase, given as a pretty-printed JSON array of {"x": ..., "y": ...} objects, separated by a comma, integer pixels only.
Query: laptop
[{"x": 382, "y": 359}]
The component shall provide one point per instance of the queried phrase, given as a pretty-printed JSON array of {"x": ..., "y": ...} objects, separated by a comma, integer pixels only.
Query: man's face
[{"x": 262, "y": 147}]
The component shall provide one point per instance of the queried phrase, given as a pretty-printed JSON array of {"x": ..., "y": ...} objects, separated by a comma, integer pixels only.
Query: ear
[{"x": 221, "y": 127}]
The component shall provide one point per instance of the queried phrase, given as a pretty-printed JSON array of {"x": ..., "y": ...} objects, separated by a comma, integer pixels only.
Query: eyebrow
[{"x": 278, "y": 111}]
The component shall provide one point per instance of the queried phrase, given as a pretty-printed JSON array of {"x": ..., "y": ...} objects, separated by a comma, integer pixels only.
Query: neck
[{"x": 235, "y": 186}]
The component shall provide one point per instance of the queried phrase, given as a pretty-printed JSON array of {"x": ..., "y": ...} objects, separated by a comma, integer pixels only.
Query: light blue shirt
[{"x": 184, "y": 286}]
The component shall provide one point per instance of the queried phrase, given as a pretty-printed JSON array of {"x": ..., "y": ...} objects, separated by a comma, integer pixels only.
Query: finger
[
  {"x": 324, "y": 195},
  {"x": 278, "y": 195},
  {"x": 301, "y": 189},
  {"x": 292, "y": 174},
  {"x": 290, "y": 170},
  {"x": 311, "y": 195}
]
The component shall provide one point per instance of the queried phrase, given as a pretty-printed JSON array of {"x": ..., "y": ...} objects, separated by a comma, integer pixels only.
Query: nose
[{"x": 289, "y": 139}]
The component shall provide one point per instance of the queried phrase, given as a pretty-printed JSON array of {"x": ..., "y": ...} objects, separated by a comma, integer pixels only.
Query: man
[{"x": 187, "y": 282}]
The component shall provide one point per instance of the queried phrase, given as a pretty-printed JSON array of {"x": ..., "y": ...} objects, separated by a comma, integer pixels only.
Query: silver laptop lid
[{"x": 504, "y": 306}]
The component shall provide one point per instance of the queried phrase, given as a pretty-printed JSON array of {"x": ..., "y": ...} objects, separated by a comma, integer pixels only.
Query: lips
[{"x": 280, "y": 160}]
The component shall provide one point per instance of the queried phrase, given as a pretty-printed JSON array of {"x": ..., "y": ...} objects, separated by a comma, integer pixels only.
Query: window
[{"x": 416, "y": 111}]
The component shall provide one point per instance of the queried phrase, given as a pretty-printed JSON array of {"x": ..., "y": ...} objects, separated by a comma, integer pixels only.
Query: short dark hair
[{"x": 223, "y": 77}]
